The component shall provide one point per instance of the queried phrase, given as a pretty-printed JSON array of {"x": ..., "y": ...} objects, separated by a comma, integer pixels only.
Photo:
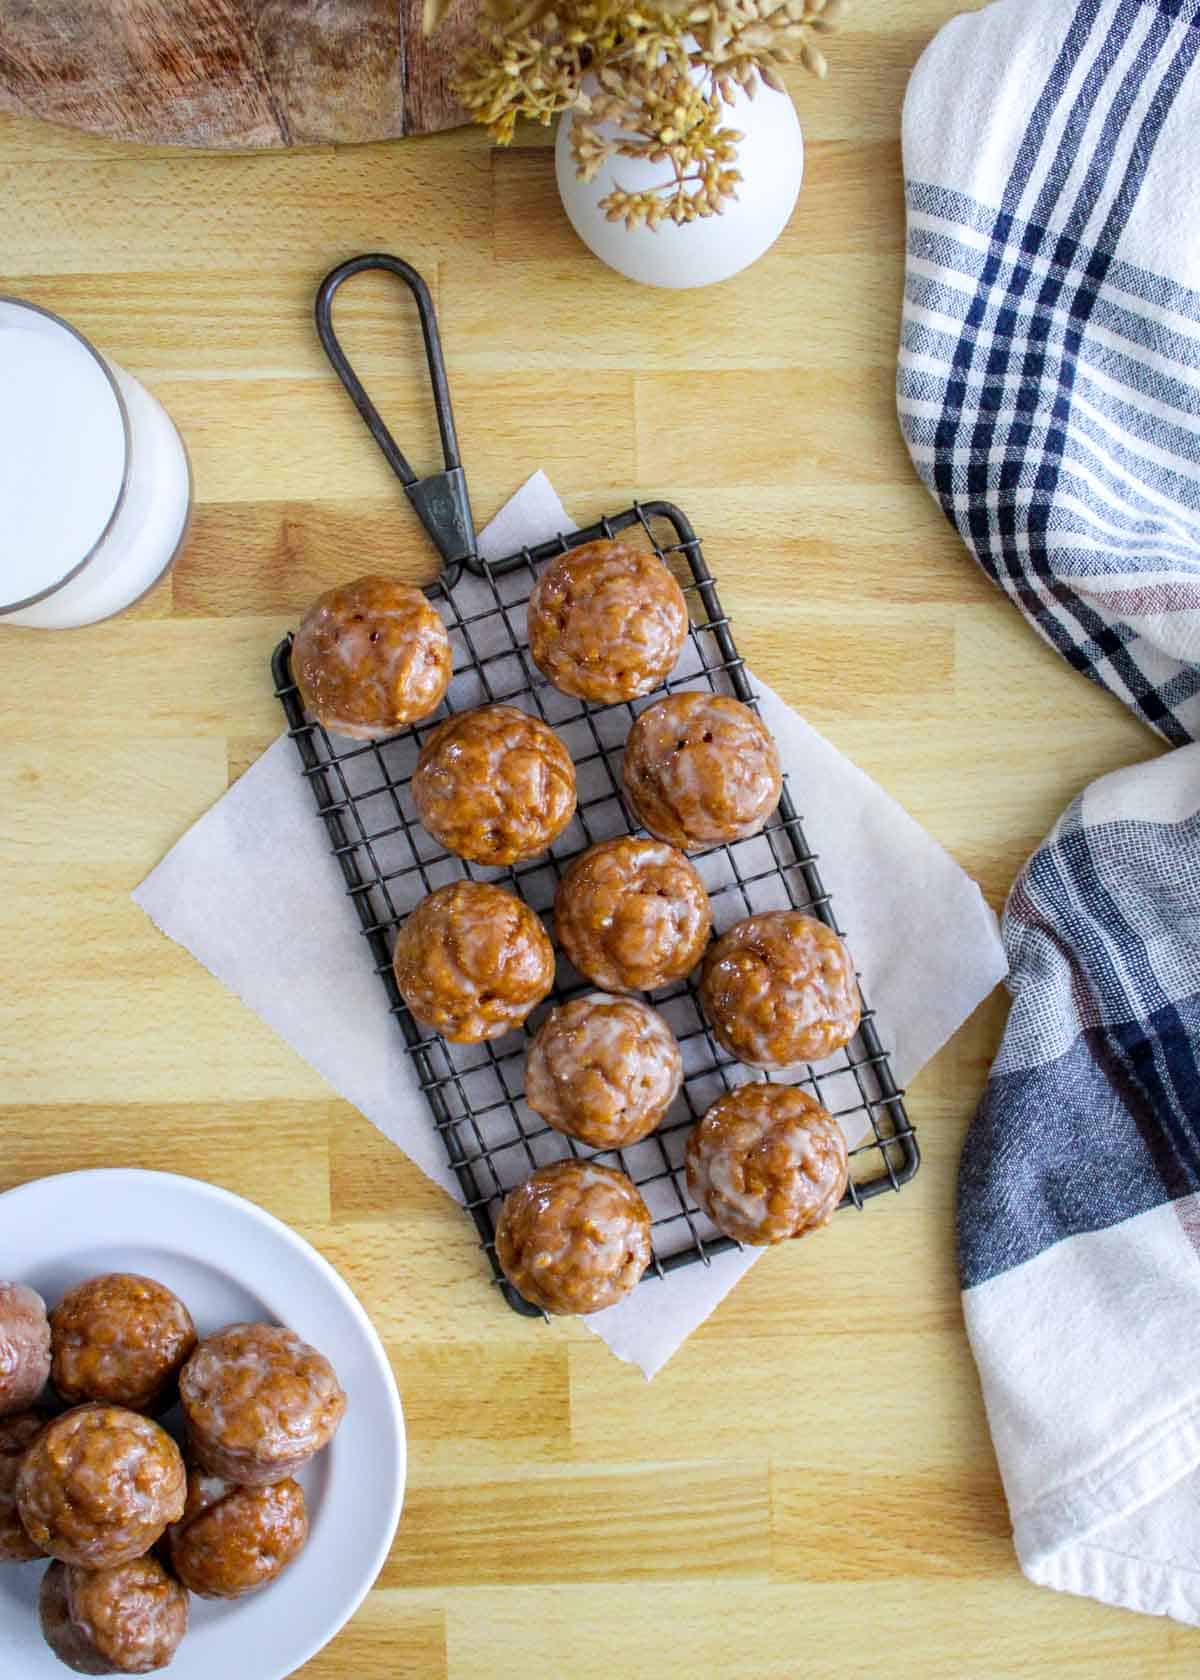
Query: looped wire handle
[{"x": 441, "y": 500}]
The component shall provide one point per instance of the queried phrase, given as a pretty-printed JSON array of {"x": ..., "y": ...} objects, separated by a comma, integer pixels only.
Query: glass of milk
[{"x": 95, "y": 489}]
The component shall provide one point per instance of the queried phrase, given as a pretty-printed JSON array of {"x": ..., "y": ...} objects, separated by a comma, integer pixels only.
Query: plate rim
[{"x": 242, "y": 1205}]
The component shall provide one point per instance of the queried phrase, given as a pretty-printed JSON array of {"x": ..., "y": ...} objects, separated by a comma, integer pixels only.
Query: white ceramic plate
[{"x": 228, "y": 1261}]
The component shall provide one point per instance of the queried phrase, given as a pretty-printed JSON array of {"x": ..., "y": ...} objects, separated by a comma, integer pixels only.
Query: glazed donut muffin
[
  {"x": 632, "y": 914},
  {"x": 99, "y": 1485},
  {"x": 603, "y": 1069},
  {"x": 259, "y": 1403},
  {"x": 24, "y": 1347},
  {"x": 120, "y": 1338},
  {"x": 607, "y": 622},
  {"x": 701, "y": 769},
  {"x": 780, "y": 988},
  {"x": 16, "y": 1435},
  {"x": 494, "y": 785},
  {"x": 129, "y": 1619},
  {"x": 370, "y": 657},
  {"x": 232, "y": 1540},
  {"x": 574, "y": 1238},
  {"x": 472, "y": 960},
  {"x": 767, "y": 1162}
]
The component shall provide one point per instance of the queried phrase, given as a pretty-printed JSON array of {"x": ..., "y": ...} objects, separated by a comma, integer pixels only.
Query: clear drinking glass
[{"x": 95, "y": 486}]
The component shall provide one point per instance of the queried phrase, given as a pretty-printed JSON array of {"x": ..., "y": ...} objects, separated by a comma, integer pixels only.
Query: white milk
[{"x": 95, "y": 489}]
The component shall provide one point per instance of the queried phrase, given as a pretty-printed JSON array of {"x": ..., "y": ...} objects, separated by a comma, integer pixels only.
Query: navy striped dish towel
[{"x": 1049, "y": 391}]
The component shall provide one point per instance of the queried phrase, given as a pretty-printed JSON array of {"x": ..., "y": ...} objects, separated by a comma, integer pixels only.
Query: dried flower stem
[{"x": 645, "y": 81}]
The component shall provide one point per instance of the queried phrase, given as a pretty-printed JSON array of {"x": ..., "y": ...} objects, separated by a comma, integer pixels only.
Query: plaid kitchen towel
[
  {"x": 1079, "y": 1199},
  {"x": 1049, "y": 378},
  {"x": 1049, "y": 391}
]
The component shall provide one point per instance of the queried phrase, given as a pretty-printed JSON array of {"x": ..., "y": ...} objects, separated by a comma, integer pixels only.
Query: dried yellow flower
[{"x": 660, "y": 80}]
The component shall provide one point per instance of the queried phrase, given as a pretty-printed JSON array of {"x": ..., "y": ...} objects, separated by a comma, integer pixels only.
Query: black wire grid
[{"x": 493, "y": 1140}]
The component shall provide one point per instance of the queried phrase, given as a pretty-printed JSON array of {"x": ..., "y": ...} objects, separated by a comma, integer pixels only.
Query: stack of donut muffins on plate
[
  {"x": 131, "y": 1523},
  {"x": 607, "y": 623}
]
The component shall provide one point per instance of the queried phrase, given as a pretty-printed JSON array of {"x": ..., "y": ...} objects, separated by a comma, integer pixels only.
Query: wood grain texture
[
  {"x": 808, "y": 1487},
  {"x": 231, "y": 73}
]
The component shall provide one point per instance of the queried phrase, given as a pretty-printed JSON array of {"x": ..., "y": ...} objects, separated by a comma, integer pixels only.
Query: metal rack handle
[{"x": 441, "y": 500}]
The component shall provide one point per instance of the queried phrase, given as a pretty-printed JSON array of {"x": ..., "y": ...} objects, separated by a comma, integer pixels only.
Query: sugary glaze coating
[
  {"x": 232, "y": 1540},
  {"x": 767, "y": 1162},
  {"x": 700, "y": 769},
  {"x": 606, "y": 622},
  {"x": 99, "y": 1485},
  {"x": 779, "y": 988},
  {"x": 130, "y": 1619},
  {"x": 17, "y": 1432},
  {"x": 632, "y": 914},
  {"x": 24, "y": 1347},
  {"x": 574, "y": 1238},
  {"x": 120, "y": 1338},
  {"x": 472, "y": 960},
  {"x": 603, "y": 1069},
  {"x": 370, "y": 657},
  {"x": 494, "y": 785},
  {"x": 259, "y": 1403}
]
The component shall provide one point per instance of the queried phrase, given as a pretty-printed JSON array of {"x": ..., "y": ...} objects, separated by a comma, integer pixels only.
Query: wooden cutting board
[{"x": 231, "y": 73}]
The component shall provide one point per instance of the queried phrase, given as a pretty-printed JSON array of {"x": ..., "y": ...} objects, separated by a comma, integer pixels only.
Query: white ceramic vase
[{"x": 698, "y": 253}]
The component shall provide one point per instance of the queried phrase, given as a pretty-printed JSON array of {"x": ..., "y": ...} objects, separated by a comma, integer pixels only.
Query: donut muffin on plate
[
  {"x": 258, "y": 1403},
  {"x": 370, "y": 657},
  {"x": 632, "y": 914},
  {"x": 701, "y": 769},
  {"x": 603, "y": 1069},
  {"x": 24, "y": 1347},
  {"x": 494, "y": 785},
  {"x": 779, "y": 988},
  {"x": 120, "y": 1338},
  {"x": 472, "y": 961},
  {"x": 607, "y": 622},
  {"x": 17, "y": 1433},
  {"x": 129, "y": 1619},
  {"x": 766, "y": 1163},
  {"x": 574, "y": 1238},
  {"x": 99, "y": 1485},
  {"x": 232, "y": 1540}
]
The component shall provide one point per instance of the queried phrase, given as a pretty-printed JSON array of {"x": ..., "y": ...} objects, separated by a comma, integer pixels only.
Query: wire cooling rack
[{"x": 493, "y": 1140}]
